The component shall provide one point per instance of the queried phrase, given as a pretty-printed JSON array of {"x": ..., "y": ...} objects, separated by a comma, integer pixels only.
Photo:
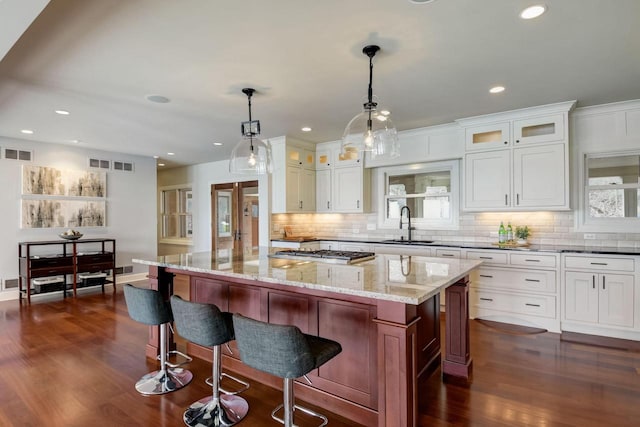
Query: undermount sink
[{"x": 408, "y": 242}]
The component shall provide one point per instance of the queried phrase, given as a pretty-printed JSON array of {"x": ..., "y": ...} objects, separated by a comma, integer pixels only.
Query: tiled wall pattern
[{"x": 548, "y": 228}]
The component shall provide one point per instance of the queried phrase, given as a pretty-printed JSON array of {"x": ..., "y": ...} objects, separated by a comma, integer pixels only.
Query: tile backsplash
[{"x": 549, "y": 228}]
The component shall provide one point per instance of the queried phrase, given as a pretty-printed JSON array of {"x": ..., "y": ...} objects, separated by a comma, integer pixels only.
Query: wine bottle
[
  {"x": 509, "y": 232},
  {"x": 502, "y": 233}
]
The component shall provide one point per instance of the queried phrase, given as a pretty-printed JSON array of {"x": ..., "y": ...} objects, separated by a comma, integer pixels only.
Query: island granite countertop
[{"x": 406, "y": 279}]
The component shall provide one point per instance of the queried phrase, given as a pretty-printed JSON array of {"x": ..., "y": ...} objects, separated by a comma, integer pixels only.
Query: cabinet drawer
[
  {"x": 100, "y": 258},
  {"x": 51, "y": 271},
  {"x": 596, "y": 263},
  {"x": 488, "y": 257},
  {"x": 61, "y": 261},
  {"x": 533, "y": 260},
  {"x": 92, "y": 268},
  {"x": 448, "y": 253},
  {"x": 530, "y": 280},
  {"x": 355, "y": 247},
  {"x": 533, "y": 305}
]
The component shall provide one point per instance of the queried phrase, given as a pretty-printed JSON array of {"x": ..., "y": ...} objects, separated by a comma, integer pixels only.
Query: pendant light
[
  {"x": 370, "y": 130},
  {"x": 251, "y": 156}
]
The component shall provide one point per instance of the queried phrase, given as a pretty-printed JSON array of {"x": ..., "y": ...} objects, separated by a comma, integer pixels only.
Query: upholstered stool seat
[
  {"x": 283, "y": 351},
  {"x": 148, "y": 307},
  {"x": 206, "y": 325}
]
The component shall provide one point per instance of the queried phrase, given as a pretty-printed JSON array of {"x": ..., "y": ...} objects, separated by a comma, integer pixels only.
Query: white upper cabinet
[
  {"x": 294, "y": 176},
  {"x": 483, "y": 137},
  {"x": 518, "y": 163},
  {"x": 342, "y": 184}
]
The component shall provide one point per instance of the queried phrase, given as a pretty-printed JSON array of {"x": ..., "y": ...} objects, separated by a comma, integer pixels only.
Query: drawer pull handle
[
  {"x": 533, "y": 305},
  {"x": 599, "y": 263},
  {"x": 532, "y": 280},
  {"x": 486, "y": 275},
  {"x": 446, "y": 254},
  {"x": 486, "y": 299},
  {"x": 486, "y": 257},
  {"x": 532, "y": 260}
]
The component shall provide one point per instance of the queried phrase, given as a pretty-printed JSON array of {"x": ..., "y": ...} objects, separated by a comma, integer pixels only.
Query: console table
[{"x": 66, "y": 258}]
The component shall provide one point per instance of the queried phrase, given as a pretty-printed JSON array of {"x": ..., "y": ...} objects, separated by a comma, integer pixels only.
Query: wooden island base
[{"x": 387, "y": 346}]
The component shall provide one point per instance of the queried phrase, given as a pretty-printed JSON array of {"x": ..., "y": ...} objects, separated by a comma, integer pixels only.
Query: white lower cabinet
[
  {"x": 517, "y": 288},
  {"x": 600, "y": 296}
]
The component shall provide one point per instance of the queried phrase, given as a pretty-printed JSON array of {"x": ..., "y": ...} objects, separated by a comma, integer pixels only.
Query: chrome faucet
[{"x": 409, "y": 228}]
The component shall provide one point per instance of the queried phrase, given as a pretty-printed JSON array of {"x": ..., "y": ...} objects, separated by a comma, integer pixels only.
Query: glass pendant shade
[
  {"x": 371, "y": 131},
  {"x": 250, "y": 156}
]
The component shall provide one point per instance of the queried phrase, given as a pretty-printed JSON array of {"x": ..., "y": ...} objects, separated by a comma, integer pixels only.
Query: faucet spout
[{"x": 409, "y": 228}]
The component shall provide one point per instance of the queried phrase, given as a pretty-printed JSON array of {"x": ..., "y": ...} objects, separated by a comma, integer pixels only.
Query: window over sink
[
  {"x": 612, "y": 190},
  {"x": 430, "y": 191}
]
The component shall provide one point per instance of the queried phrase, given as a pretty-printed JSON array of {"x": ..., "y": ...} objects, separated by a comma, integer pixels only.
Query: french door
[{"x": 234, "y": 210}]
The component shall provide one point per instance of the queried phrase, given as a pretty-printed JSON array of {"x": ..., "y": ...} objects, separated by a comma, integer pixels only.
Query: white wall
[
  {"x": 202, "y": 177},
  {"x": 131, "y": 203}
]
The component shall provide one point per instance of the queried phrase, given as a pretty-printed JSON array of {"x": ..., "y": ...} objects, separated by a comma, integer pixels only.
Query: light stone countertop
[{"x": 406, "y": 279}]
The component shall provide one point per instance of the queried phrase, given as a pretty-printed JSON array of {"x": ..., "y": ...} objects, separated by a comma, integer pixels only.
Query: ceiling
[{"x": 100, "y": 59}]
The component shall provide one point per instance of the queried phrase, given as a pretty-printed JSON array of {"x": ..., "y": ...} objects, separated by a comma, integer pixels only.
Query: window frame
[
  {"x": 451, "y": 166},
  {"x": 602, "y": 224},
  {"x": 185, "y": 211}
]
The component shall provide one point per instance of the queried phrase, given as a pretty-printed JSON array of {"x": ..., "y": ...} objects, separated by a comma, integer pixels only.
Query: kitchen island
[{"x": 384, "y": 312}]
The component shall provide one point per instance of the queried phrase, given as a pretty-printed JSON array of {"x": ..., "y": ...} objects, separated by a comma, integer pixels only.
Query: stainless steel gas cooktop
[{"x": 326, "y": 255}]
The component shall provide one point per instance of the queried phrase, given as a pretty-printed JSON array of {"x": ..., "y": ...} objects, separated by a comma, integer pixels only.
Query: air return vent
[
  {"x": 99, "y": 163},
  {"x": 15, "y": 154},
  {"x": 122, "y": 166}
]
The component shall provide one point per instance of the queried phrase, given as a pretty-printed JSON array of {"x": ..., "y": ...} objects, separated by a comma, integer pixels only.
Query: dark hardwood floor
[{"x": 74, "y": 363}]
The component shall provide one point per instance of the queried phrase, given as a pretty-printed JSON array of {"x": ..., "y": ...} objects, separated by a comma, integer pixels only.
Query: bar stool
[
  {"x": 286, "y": 352},
  {"x": 206, "y": 325},
  {"x": 147, "y": 306}
]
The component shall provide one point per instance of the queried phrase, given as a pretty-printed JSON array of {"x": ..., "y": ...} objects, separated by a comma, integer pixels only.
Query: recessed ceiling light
[
  {"x": 421, "y": 1},
  {"x": 62, "y": 112},
  {"x": 171, "y": 154},
  {"x": 306, "y": 129},
  {"x": 533, "y": 11},
  {"x": 160, "y": 164},
  {"x": 496, "y": 89},
  {"x": 27, "y": 131},
  {"x": 156, "y": 157},
  {"x": 218, "y": 144},
  {"x": 158, "y": 99},
  {"x": 75, "y": 141}
]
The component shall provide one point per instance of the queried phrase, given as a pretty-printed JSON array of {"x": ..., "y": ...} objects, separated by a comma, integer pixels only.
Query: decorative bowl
[{"x": 70, "y": 236}]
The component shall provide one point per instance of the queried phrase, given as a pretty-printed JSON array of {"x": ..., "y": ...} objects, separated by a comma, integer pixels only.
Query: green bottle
[
  {"x": 509, "y": 232},
  {"x": 502, "y": 233}
]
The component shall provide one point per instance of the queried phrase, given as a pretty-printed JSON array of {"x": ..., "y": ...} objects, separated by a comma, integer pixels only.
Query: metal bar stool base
[
  {"x": 186, "y": 357},
  {"x": 245, "y": 385},
  {"x": 164, "y": 381},
  {"x": 206, "y": 412}
]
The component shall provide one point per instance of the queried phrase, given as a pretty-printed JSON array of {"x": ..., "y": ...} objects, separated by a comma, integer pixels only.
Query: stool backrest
[
  {"x": 146, "y": 305},
  {"x": 203, "y": 324},
  {"x": 280, "y": 350}
]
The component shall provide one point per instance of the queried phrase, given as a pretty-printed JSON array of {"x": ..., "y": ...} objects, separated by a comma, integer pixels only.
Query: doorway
[{"x": 234, "y": 210}]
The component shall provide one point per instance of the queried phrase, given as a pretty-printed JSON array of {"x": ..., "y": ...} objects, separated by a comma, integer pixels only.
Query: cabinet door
[
  {"x": 539, "y": 129},
  {"x": 539, "y": 176},
  {"x": 487, "y": 180},
  {"x": 616, "y": 300},
  {"x": 300, "y": 157},
  {"x": 347, "y": 189},
  {"x": 347, "y": 159},
  {"x": 323, "y": 190},
  {"x": 495, "y": 135},
  {"x": 581, "y": 296},
  {"x": 307, "y": 190},
  {"x": 324, "y": 158},
  {"x": 293, "y": 188}
]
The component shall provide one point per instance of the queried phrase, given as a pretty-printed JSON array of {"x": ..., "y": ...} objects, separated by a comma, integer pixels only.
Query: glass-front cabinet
[{"x": 483, "y": 137}]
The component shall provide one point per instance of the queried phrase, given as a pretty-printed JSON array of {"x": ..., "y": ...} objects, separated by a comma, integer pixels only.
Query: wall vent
[
  {"x": 14, "y": 154},
  {"x": 99, "y": 163},
  {"x": 122, "y": 166},
  {"x": 11, "y": 283}
]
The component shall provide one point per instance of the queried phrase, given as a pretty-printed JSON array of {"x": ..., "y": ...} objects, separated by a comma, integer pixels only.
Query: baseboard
[{"x": 13, "y": 294}]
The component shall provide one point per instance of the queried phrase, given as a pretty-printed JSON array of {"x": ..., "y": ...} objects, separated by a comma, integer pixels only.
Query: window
[
  {"x": 429, "y": 190},
  {"x": 175, "y": 212},
  {"x": 612, "y": 189}
]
